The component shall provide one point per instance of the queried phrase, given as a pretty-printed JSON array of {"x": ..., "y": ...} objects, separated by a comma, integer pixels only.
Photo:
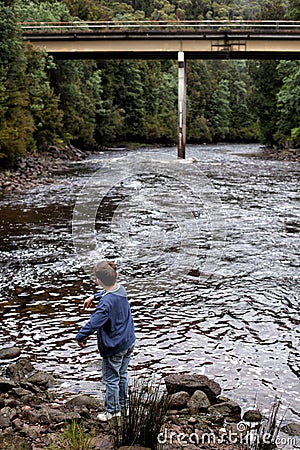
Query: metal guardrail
[{"x": 161, "y": 26}]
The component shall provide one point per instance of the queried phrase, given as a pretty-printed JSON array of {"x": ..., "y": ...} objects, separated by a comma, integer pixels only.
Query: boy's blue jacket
[{"x": 112, "y": 319}]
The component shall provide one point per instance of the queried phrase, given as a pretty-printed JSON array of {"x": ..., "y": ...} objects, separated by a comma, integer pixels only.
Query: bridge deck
[{"x": 163, "y": 40}]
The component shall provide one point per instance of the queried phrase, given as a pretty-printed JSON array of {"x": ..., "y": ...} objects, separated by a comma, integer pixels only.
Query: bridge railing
[{"x": 160, "y": 26}]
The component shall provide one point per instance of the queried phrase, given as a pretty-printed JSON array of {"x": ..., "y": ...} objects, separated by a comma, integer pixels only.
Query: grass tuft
[
  {"x": 147, "y": 411},
  {"x": 74, "y": 437}
]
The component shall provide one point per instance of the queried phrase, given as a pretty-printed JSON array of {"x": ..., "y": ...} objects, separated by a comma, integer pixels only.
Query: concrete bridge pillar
[{"x": 181, "y": 105}]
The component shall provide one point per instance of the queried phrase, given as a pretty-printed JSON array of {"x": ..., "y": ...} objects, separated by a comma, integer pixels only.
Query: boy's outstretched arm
[
  {"x": 88, "y": 302},
  {"x": 98, "y": 318}
]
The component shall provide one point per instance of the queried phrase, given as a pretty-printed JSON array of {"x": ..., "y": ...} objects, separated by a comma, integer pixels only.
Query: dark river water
[{"x": 208, "y": 250}]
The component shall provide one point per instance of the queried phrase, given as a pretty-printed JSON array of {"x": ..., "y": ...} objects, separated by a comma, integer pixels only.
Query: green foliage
[
  {"x": 288, "y": 103},
  {"x": 219, "y": 111},
  {"x": 35, "y": 11},
  {"x": 78, "y": 84},
  {"x": 74, "y": 437},
  {"x": 92, "y": 103},
  {"x": 11, "y": 46},
  {"x": 163, "y": 10},
  {"x": 294, "y": 10},
  {"x": 273, "y": 10},
  {"x": 160, "y": 93},
  {"x": 266, "y": 84},
  {"x": 16, "y": 124},
  {"x": 43, "y": 103}
]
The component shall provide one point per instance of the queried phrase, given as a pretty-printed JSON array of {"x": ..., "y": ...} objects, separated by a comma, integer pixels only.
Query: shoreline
[
  {"x": 194, "y": 412},
  {"x": 268, "y": 153},
  {"x": 39, "y": 168}
]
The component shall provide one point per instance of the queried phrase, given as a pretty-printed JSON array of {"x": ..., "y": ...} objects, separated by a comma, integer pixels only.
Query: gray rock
[
  {"x": 179, "y": 400},
  {"x": 4, "y": 421},
  {"x": 105, "y": 442},
  {"x": 19, "y": 370},
  {"x": 33, "y": 432},
  {"x": 191, "y": 383},
  {"x": 41, "y": 379},
  {"x": 293, "y": 429},
  {"x": 83, "y": 401},
  {"x": 11, "y": 402},
  {"x": 11, "y": 413},
  {"x": 198, "y": 402},
  {"x": 20, "y": 392},
  {"x": 30, "y": 399},
  {"x": 46, "y": 415},
  {"x": 17, "y": 425},
  {"x": 229, "y": 409},
  {"x": 252, "y": 415},
  {"x": 58, "y": 415},
  {"x": 10, "y": 353}
]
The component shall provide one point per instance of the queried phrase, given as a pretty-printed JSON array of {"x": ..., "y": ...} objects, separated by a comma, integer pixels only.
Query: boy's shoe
[{"x": 106, "y": 416}]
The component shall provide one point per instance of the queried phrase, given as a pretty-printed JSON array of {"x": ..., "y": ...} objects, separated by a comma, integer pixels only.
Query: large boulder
[
  {"x": 10, "y": 353},
  {"x": 191, "y": 383},
  {"x": 83, "y": 401}
]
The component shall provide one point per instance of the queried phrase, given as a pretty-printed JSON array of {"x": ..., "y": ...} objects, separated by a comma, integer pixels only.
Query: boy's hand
[
  {"x": 82, "y": 344},
  {"x": 87, "y": 303}
]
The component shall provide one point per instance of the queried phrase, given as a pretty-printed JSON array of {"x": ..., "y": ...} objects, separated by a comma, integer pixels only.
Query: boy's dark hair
[{"x": 105, "y": 271}]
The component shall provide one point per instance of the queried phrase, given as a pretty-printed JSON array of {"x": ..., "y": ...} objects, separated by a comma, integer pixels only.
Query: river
[{"x": 228, "y": 307}]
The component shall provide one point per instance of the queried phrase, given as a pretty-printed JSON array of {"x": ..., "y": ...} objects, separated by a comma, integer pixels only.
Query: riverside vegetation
[
  {"x": 185, "y": 411},
  {"x": 91, "y": 104}
]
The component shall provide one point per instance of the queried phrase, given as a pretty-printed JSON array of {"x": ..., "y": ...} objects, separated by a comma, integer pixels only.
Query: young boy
[{"x": 113, "y": 322}]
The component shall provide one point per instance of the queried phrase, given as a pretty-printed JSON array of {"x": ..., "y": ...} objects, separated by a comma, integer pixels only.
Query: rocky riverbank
[
  {"x": 39, "y": 169},
  {"x": 287, "y": 154},
  {"x": 198, "y": 415}
]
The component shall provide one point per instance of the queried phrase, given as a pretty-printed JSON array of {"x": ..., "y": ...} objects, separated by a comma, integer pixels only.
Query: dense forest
[{"x": 91, "y": 104}]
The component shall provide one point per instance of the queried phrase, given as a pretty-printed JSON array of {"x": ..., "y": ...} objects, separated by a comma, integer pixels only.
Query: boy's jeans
[{"x": 115, "y": 377}]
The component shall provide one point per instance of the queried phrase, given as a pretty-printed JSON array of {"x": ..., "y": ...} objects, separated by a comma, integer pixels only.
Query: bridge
[{"x": 178, "y": 40}]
